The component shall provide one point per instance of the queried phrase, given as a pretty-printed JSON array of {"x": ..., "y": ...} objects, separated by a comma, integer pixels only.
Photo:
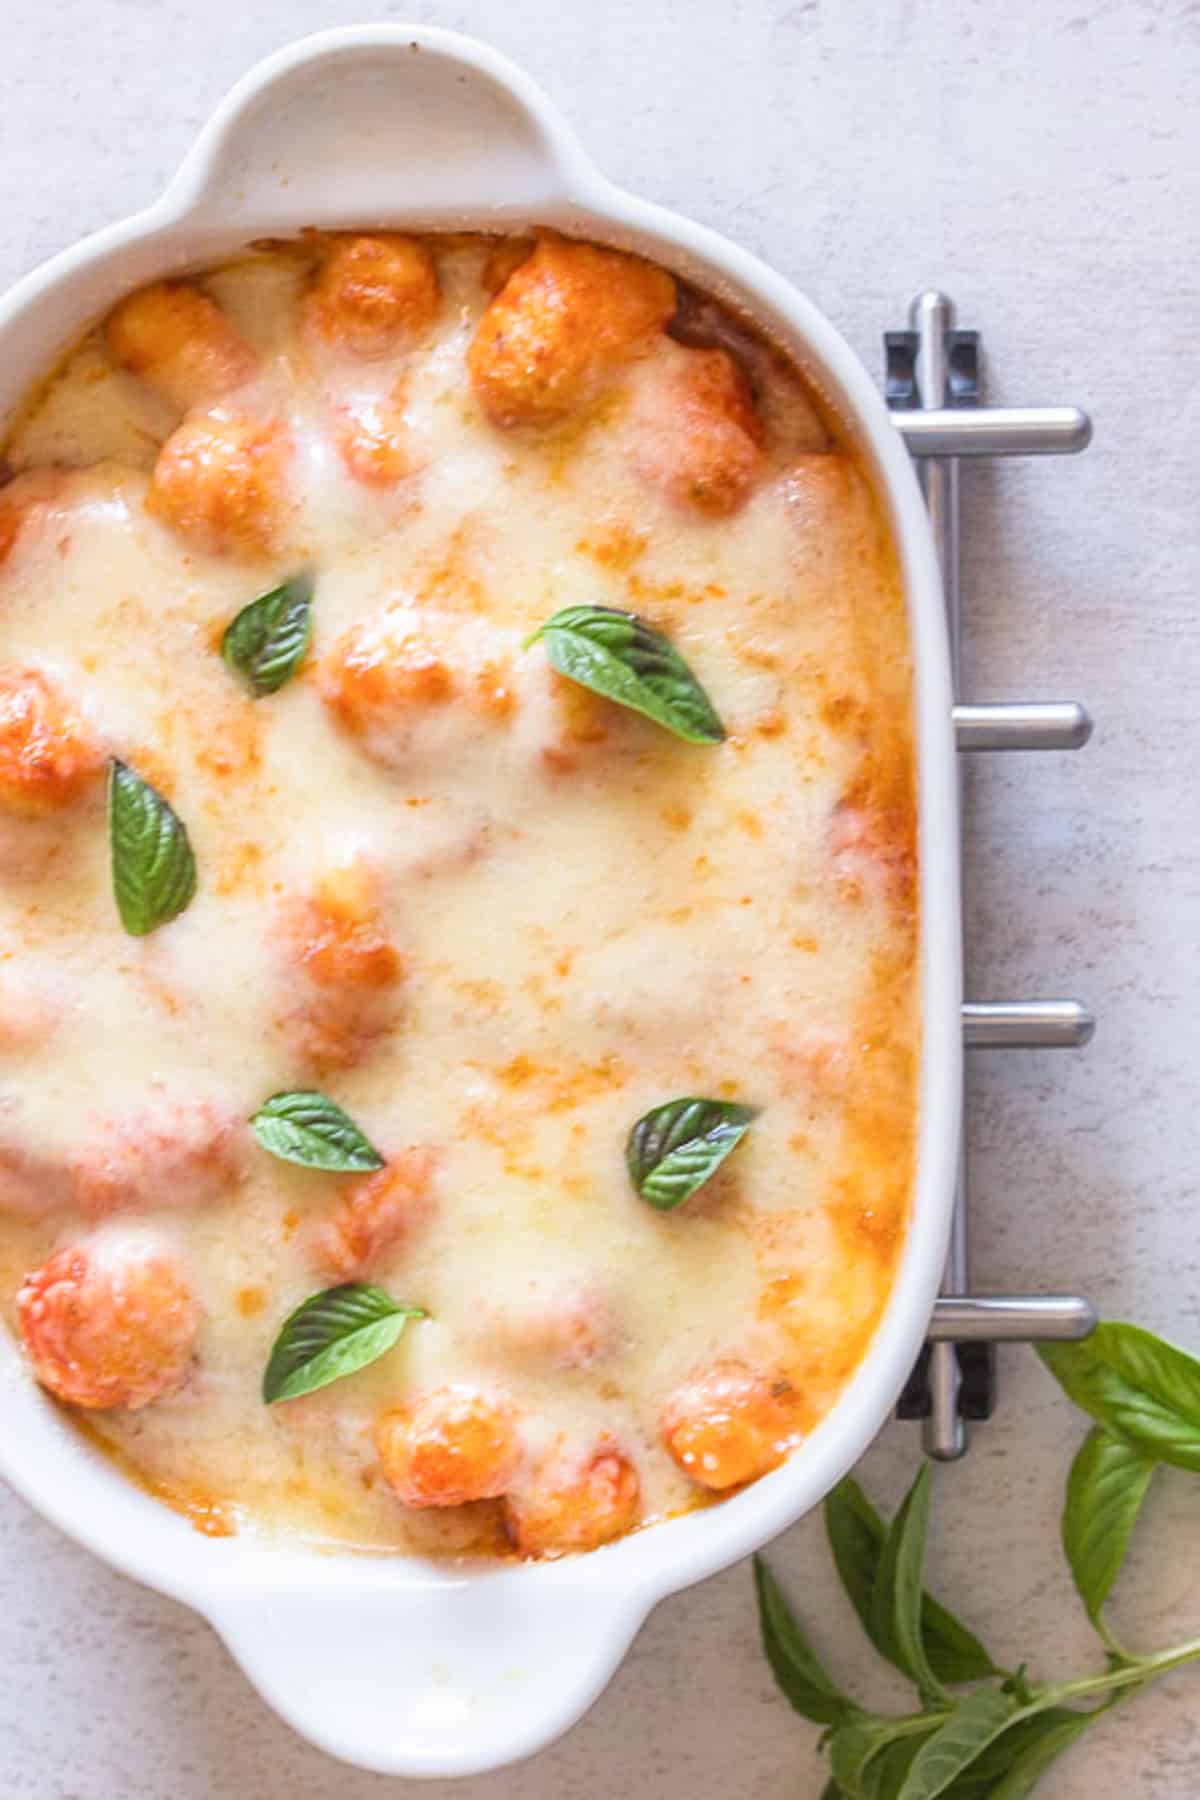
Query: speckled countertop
[{"x": 1041, "y": 160}]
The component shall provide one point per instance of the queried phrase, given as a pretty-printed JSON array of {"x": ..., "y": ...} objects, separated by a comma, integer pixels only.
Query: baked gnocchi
[{"x": 459, "y": 1096}]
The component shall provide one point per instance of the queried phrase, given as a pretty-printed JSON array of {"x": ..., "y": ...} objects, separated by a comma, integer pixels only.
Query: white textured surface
[{"x": 1038, "y": 159}]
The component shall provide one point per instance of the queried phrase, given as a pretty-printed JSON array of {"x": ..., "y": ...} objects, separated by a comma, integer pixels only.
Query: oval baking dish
[{"x": 398, "y": 1665}]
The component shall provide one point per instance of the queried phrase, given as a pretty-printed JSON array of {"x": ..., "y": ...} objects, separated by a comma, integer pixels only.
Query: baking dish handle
[
  {"x": 444, "y": 1676},
  {"x": 354, "y": 126}
]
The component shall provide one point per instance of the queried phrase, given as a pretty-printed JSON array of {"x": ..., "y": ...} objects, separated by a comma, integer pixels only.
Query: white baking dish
[{"x": 397, "y": 1665}]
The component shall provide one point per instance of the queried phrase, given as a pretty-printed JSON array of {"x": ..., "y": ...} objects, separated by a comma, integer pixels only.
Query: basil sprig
[
  {"x": 857, "y": 1536},
  {"x": 996, "y": 1741},
  {"x": 305, "y": 1127},
  {"x": 1105, "y": 1490},
  {"x": 1140, "y": 1388},
  {"x": 268, "y": 640},
  {"x": 153, "y": 869},
  {"x": 331, "y": 1335},
  {"x": 619, "y": 656},
  {"x": 674, "y": 1149}
]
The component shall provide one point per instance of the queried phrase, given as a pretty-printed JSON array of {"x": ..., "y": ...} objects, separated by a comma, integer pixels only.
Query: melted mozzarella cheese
[{"x": 591, "y": 922}]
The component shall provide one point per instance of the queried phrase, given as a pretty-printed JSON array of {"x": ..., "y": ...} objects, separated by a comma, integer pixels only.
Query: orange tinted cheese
[
  {"x": 452, "y": 1446},
  {"x": 574, "y": 1504},
  {"x": 372, "y": 440},
  {"x": 561, "y": 327},
  {"x": 701, "y": 436},
  {"x": 337, "y": 947},
  {"x": 169, "y": 1155},
  {"x": 104, "y": 1332},
  {"x": 374, "y": 1214},
  {"x": 179, "y": 341},
  {"x": 381, "y": 669},
  {"x": 375, "y": 294},
  {"x": 729, "y": 1424},
  {"x": 220, "y": 482},
  {"x": 48, "y": 756}
]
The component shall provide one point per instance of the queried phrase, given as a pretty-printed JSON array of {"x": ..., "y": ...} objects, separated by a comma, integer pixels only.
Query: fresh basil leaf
[
  {"x": 971, "y": 1727},
  {"x": 618, "y": 655},
  {"x": 856, "y": 1536},
  {"x": 269, "y": 639},
  {"x": 1105, "y": 1490},
  {"x": 1143, "y": 1390},
  {"x": 855, "y": 1744},
  {"x": 153, "y": 869},
  {"x": 801, "y": 1678},
  {"x": 831, "y": 1791},
  {"x": 308, "y": 1128},
  {"x": 674, "y": 1149},
  {"x": 897, "y": 1595},
  {"x": 1019, "y": 1756},
  {"x": 333, "y": 1334},
  {"x": 886, "y": 1773}
]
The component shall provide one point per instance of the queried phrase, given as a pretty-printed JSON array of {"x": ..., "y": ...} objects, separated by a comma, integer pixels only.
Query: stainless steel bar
[
  {"x": 1010, "y": 1318},
  {"x": 992, "y": 430},
  {"x": 1023, "y": 725},
  {"x": 1026, "y": 1025},
  {"x": 931, "y": 316}
]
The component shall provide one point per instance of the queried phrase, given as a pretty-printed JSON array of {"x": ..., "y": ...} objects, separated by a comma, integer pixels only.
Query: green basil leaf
[
  {"x": 618, "y": 655},
  {"x": 1019, "y": 1756},
  {"x": 886, "y": 1773},
  {"x": 854, "y": 1746},
  {"x": 971, "y": 1727},
  {"x": 856, "y": 1536},
  {"x": 1105, "y": 1490},
  {"x": 897, "y": 1595},
  {"x": 308, "y": 1128},
  {"x": 333, "y": 1334},
  {"x": 801, "y": 1678},
  {"x": 831, "y": 1791},
  {"x": 269, "y": 639},
  {"x": 153, "y": 869},
  {"x": 674, "y": 1149},
  {"x": 1143, "y": 1390}
]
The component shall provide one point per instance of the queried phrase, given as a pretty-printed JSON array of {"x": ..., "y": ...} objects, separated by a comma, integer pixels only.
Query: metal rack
[{"x": 933, "y": 389}]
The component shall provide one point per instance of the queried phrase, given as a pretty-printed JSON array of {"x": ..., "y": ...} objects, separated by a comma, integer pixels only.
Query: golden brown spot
[
  {"x": 613, "y": 547},
  {"x": 845, "y": 715},
  {"x": 211, "y": 1518},
  {"x": 562, "y": 1084},
  {"x": 250, "y": 1301},
  {"x": 229, "y": 745},
  {"x": 452, "y": 581},
  {"x": 521, "y": 1070},
  {"x": 504, "y": 259}
]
